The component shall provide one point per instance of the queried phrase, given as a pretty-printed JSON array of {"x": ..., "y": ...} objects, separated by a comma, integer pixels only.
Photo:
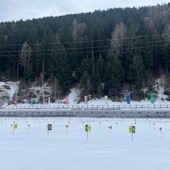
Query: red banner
[
  {"x": 49, "y": 100},
  {"x": 67, "y": 100},
  {"x": 15, "y": 101}
]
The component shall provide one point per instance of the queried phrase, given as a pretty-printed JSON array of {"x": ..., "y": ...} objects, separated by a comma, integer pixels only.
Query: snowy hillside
[{"x": 9, "y": 90}]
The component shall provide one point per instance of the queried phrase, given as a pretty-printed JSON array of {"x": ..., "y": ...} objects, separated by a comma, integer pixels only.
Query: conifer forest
[{"x": 101, "y": 52}]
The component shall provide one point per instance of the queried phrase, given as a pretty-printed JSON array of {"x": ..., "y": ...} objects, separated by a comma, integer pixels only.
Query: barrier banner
[{"x": 128, "y": 99}]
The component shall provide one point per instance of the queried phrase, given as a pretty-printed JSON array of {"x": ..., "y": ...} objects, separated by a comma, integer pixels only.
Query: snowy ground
[{"x": 30, "y": 148}]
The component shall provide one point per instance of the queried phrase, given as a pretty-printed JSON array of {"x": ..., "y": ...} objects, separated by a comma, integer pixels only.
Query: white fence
[{"x": 87, "y": 107}]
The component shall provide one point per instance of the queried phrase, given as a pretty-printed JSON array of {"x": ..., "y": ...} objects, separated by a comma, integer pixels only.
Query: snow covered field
[{"x": 30, "y": 148}]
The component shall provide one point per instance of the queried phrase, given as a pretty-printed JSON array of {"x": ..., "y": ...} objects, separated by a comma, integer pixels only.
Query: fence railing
[{"x": 88, "y": 107}]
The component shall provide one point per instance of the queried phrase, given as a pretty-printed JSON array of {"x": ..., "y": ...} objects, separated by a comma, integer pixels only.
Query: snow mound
[
  {"x": 8, "y": 89},
  {"x": 159, "y": 88},
  {"x": 102, "y": 101},
  {"x": 73, "y": 96}
]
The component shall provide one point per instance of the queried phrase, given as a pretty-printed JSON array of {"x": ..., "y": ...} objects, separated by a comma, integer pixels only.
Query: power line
[
  {"x": 89, "y": 41},
  {"x": 89, "y": 52},
  {"x": 125, "y": 45}
]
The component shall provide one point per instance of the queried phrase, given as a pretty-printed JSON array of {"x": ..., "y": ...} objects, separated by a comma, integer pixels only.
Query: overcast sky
[{"x": 27, "y": 9}]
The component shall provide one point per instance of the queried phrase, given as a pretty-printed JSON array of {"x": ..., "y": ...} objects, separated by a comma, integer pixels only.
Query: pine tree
[
  {"x": 113, "y": 75},
  {"x": 85, "y": 82},
  {"x": 136, "y": 72}
]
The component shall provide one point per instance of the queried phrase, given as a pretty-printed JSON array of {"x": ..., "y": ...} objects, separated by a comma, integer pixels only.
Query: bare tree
[
  {"x": 149, "y": 24},
  {"x": 25, "y": 56},
  {"x": 118, "y": 38},
  {"x": 167, "y": 33},
  {"x": 78, "y": 30}
]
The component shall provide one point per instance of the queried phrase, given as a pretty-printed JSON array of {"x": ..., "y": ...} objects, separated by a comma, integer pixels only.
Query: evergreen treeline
[{"x": 101, "y": 52}]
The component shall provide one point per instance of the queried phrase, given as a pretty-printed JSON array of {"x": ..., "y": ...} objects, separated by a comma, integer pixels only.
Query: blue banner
[{"x": 128, "y": 99}]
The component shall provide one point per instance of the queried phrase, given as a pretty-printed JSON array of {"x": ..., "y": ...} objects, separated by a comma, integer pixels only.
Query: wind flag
[
  {"x": 128, "y": 99},
  {"x": 67, "y": 100},
  {"x": 85, "y": 99},
  {"x": 49, "y": 100},
  {"x": 66, "y": 126},
  {"x": 88, "y": 128},
  {"x": 131, "y": 129},
  {"x": 15, "y": 101},
  {"x": 15, "y": 126}
]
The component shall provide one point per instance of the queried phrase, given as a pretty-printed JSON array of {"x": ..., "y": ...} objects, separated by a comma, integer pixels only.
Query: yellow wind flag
[
  {"x": 88, "y": 128},
  {"x": 131, "y": 129},
  {"x": 15, "y": 126}
]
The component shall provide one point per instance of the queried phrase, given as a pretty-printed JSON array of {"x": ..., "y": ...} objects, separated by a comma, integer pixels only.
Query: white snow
[
  {"x": 64, "y": 149},
  {"x": 8, "y": 89},
  {"x": 2, "y": 83},
  {"x": 73, "y": 97},
  {"x": 30, "y": 148}
]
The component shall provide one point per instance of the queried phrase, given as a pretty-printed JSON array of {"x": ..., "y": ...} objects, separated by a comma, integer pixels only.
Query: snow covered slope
[{"x": 8, "y": 89}]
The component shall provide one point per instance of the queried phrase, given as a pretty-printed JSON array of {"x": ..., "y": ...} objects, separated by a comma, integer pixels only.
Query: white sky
[{"x": 27, "y": 9}]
